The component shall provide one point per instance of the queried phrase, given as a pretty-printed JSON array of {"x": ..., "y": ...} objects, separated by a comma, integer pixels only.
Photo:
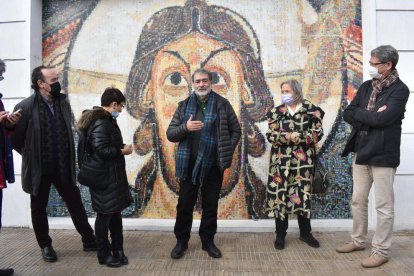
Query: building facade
[{"x": 95, "y": 44}]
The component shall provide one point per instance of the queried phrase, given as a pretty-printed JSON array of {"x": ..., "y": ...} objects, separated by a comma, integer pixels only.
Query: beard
[{"x": 203, "y": 93}]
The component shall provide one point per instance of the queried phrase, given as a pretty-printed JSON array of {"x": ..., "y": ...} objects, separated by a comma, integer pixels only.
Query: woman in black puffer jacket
[{"x": 102, "y": 168}]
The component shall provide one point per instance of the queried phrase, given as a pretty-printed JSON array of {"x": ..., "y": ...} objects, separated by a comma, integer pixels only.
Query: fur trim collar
[{"x": 90, "y": 116}]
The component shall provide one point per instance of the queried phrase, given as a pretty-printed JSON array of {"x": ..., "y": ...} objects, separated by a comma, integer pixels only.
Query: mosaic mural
[{"x": 149, "y": 49}]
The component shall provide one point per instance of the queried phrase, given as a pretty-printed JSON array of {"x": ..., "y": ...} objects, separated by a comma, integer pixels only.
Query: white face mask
[
  {"x": 287, "y": 99},
  {"x": 373, "y": 72}
]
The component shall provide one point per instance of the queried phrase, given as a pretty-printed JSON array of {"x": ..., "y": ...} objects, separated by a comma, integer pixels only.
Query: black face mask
[{"x": 55, "y": 89}]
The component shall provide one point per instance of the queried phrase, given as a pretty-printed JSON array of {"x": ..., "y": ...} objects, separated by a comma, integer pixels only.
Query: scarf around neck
[
  {"x": 378, "y": 86},
  {"x": 207, "y": 147}
]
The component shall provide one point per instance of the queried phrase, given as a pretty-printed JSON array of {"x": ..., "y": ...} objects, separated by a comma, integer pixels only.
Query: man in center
[{"x": 207, "y": 130}]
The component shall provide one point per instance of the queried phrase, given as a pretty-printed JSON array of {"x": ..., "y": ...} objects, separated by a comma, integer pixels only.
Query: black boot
[
  {"x": 6, "y": 271},
  {"x": 105, "y": 257},
  {"x": 281, "y": 231},
  {"x": 120, "y": 255},
  {"x": 280, "y": 242}
]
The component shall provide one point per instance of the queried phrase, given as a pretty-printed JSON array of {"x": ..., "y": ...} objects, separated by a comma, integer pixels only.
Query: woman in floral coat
[{"x": 295, "y": 127}]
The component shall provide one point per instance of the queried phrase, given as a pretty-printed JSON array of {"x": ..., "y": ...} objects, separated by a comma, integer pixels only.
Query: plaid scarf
[
  {"x": 378, "y": 86},
  {"x": 206, "y": 149}
]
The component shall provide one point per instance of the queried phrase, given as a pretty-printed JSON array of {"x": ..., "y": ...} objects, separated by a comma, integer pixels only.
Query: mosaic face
[{"x": 149, "y": 51}]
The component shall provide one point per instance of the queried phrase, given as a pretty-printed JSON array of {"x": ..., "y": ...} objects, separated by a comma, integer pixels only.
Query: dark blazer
[
  {"x": 228, "y": 130},
  {"x": 376, "y": 136},
  {"x": 27, "y": 141},
  {"x": 110, "y": 193}
]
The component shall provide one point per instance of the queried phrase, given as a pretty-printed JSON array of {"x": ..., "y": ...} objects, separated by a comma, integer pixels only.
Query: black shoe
[
  {"x": 110, "y": 261},
  {"x": 120, "y": 255},
  {"x": 48, "y": 254},
  {"x": 89, "y": 246},
  {"x": 279, "y": 243},
  {"x": 178, "y": 250},
  {"x": 211, "y": 249},
  {"x": 310, "y": 240},
  {"x": 6, "y": 271}
]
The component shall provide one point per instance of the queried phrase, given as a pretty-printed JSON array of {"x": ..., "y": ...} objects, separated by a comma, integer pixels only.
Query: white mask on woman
[{"x": 287, "y": 99}]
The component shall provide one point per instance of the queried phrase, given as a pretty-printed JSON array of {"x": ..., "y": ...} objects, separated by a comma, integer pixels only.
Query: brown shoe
[
  {"x": 374, "y": 260},
  {"x": 348, "y": 248}
]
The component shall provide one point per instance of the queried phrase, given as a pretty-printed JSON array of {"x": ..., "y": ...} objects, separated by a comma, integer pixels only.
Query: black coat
[
  {"x": 376, "y": 136},
  {"x": 27, "y": 141},
  {"x": 110, "y": 193},
  {"x": 228, "y": 130}
]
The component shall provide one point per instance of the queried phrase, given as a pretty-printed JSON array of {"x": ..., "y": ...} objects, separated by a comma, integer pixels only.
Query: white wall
[
  {"x": 384, "y": 22},
  {"x": 394, "y": 23},
  {"x": 20, "y": 47}
]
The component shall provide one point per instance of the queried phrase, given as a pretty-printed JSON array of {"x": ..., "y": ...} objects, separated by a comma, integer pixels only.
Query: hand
[
  {"x": 3, "y": 116},
  {"x": 13, "y": 118},
  {"x": 194, "y": 125},
  {"x": 294, "y": 137},
  {"x": 382, "y": 108},
  {"x": 127, "y": 149},
  {"x": 317, "y": 114}
]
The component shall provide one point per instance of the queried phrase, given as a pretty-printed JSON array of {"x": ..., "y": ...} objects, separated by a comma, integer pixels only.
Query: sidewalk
[{"x": 243, "y": 254}]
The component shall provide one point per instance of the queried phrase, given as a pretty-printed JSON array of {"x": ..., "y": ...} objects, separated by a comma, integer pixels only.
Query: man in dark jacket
[
  {"x": 7, "y": 125},
  {"x": 376, "y": 115},
  {"x": 44, "y": 139},
  {"x": 207, "y": 130}
]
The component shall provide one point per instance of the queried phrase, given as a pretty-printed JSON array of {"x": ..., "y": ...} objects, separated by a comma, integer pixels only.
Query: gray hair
[
  {"x": 2, "y": 66},
  {"x": 386, "y": 53},
  {"x": 296, "y": 89},
  {"x": 202, "y": 71}
]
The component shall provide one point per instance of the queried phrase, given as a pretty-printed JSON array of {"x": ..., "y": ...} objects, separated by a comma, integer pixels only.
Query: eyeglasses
[{"x": 376, "y": 63}]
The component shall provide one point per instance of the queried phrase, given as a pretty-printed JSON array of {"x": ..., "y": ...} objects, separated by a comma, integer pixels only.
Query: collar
[
  {"x": 306, "y": 106},
  {"x": 291, "y": 111}
]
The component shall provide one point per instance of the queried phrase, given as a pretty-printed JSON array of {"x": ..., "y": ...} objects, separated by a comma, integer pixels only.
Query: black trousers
[
  {"x": 210, "y": 190},
  {"x": 72, "y": 198},
  {"x": 113, "y": 223},
  {"x": 282, "y": 226}
]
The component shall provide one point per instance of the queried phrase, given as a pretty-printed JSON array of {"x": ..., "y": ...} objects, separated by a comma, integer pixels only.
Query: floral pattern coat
[{"x": 288, "y": 189}]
